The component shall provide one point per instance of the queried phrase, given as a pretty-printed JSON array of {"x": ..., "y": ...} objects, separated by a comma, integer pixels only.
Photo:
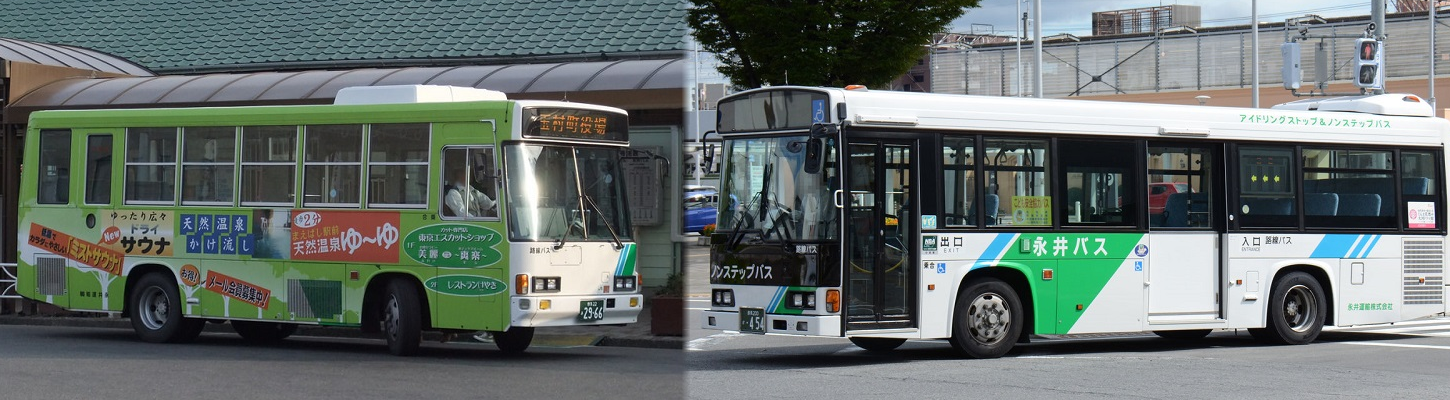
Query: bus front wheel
[
  {"x": 514, "y": 340},
  {"x": 1296, "y": 310},
  {"x": 988, "y": 319},
  {"x": 156, "y": 312},
  {"x": 402, "y": 323}
]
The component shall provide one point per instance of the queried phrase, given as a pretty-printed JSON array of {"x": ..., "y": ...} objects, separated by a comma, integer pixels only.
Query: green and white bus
[
  {"x": 396, "y": 209},
  {"x": 889, "y": 216}
]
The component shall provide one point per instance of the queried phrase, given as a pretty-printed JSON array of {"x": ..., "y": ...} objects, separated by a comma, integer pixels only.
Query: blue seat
[
  {"x": 1359, "y": 205},
  {"x": 1182, "y": 210},
  {"x": 1321, "y": 204},
  {"x": 991, "y": 207},
  {"x": 1262, "y": 206},
  {"x": 1416, "y": 186}
]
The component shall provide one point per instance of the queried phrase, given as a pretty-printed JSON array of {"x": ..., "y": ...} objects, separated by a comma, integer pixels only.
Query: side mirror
[{"x": 815, "y": 146}]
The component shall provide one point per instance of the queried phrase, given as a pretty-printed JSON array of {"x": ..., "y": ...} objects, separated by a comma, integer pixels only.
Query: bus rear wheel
[
  {"x": 877, "y": 344},
  {"x": 156, "y": 312},
  {"x": 514, "y": 340},
  {"x": 263, "y": 332},
  {"x": 402, "y": 323},
  {"x": 988, "y": 319},
  {"x": 1296, "y": 310}
]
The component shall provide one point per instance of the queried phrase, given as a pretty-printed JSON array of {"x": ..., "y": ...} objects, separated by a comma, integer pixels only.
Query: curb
[{"x": 542, "y": 339}]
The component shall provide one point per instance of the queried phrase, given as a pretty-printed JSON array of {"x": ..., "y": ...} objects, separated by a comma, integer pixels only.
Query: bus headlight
[
  {"x": 722, "y": 298},
  {"x": 625, "y": 283},
  {"x": 802, "y": 300},
  {"x": 546, "y": 284}
]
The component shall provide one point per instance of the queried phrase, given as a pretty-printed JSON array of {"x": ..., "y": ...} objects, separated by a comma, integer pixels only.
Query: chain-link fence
[{"x": 1181, "y": 61}]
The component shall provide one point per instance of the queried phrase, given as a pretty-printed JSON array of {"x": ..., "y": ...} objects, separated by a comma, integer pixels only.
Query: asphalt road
[
  {"x": 1407, "y": 361},
  {"x": 38, "y": 362}
]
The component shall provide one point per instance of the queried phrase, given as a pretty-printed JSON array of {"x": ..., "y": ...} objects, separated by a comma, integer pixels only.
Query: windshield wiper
[
  {"x": 590, "y": 201},
  {"x": 759, "y": 198},
  {"x": 568, "y": 227}
]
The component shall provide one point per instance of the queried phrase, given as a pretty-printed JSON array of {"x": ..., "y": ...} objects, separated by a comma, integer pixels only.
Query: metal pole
[
  {"x": 1021, "y": 30},
  {"x": 1377, "y": 15},
  {"x": 1254, "y": 59},
  {"x": 1433, "y": 5},
  {"x": 1037, "y": 46}
]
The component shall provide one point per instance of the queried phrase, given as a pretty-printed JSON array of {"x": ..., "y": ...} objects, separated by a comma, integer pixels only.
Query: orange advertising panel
[
  {"x": 238, "y": 289},
  {"x": 352, "y": 236},
  {"x": 86, "y": 253}
]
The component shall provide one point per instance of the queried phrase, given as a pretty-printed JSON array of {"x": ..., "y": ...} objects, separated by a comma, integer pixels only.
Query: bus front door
[{"x": 881, "y": 236}]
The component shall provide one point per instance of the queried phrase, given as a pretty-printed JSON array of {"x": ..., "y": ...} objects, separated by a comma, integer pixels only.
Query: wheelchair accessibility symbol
[{"x": 818, "y": 111}]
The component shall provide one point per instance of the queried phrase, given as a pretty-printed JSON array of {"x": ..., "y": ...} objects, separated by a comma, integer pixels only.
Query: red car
[{"x": 1158, "y": 194}]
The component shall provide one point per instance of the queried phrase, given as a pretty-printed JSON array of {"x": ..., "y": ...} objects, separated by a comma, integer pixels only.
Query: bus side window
[
  {"x": 54, "y": 160},
  {"x": 98, "y": 169},
  {"x": 469, "y": 188}
]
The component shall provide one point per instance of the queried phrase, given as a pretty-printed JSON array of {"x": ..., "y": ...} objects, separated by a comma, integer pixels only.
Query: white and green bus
[
  {"x": 888, "y": 216},
  {"x": 396, "y": 209}
]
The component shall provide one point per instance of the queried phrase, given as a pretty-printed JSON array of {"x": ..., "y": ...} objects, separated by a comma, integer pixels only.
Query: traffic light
[{"x": 1369, "y": 64}]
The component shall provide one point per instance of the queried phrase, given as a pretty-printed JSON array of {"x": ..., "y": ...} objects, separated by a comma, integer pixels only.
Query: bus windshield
[
  {"x": 565, "y": 193},
  {"x": 768, "y": 194}
]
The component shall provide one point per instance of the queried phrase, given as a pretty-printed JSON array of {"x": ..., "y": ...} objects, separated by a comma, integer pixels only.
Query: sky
[{"x": 1075, "y": 16}]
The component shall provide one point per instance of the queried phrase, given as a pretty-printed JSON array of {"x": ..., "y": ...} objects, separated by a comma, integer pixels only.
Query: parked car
[
  {"x": 700, "y": 206},
  {"x": 1158, "y": 194}
]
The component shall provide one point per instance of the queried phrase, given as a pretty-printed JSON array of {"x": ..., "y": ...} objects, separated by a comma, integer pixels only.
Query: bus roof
[
  {"x": 929, "y": 111},
  {"x": 448, "y": 111}
]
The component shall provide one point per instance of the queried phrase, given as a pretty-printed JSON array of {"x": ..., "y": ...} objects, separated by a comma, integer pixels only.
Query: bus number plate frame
[
  {"x": 591, "y": 310},
  {"x": 752, "y": 320}
]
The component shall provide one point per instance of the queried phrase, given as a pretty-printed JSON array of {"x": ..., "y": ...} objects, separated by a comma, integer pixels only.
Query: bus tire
[
  {"x": 877, "y": 344},
  {"x": 402, "y": 321},
  {"x": 263, "y": 332},
  {"x": 515, "y": 340},
  {"x": 1190, "y": 334},
  {"x": 988, "y": 319},
  {"x": 1297, "y": 310},
  {"x": 156, "y": 312}
]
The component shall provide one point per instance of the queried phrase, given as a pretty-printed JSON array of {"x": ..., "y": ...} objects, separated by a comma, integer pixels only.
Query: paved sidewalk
[{"x": 630, "y": 335}]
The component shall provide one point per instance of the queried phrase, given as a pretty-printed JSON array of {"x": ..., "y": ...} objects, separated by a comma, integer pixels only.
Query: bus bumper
[
  {"x": 564, "y": 310},
  {"x": 777, "y": 324}
]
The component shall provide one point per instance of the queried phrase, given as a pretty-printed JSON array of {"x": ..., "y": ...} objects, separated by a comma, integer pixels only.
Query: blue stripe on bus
[
  {"x": 775, "y": 300},
  {"x": 995, "y": 250},
  {"x": 1364, "y": 251},
  {"x": 1345, "y": 246}
]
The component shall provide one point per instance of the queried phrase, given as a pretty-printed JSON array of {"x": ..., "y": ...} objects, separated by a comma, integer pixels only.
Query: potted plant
[
  {"x": 667, "y": 307},
  {"x": 705, "y": 234}
]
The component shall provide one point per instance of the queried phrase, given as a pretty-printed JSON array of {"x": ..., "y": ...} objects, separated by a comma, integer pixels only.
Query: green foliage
[
  {"x": 674, "y": 286},
  {"x": 819, "y": 42}
]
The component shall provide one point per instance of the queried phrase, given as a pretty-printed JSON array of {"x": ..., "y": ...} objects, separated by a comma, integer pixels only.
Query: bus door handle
[{"x": 839, "y": 198}]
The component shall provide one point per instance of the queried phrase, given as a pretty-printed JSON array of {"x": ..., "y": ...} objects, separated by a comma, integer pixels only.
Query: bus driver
[{"x": 465, "y": 201}]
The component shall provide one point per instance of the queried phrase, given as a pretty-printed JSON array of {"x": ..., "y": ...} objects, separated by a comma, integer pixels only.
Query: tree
[{"x": 819, "y": 42}]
